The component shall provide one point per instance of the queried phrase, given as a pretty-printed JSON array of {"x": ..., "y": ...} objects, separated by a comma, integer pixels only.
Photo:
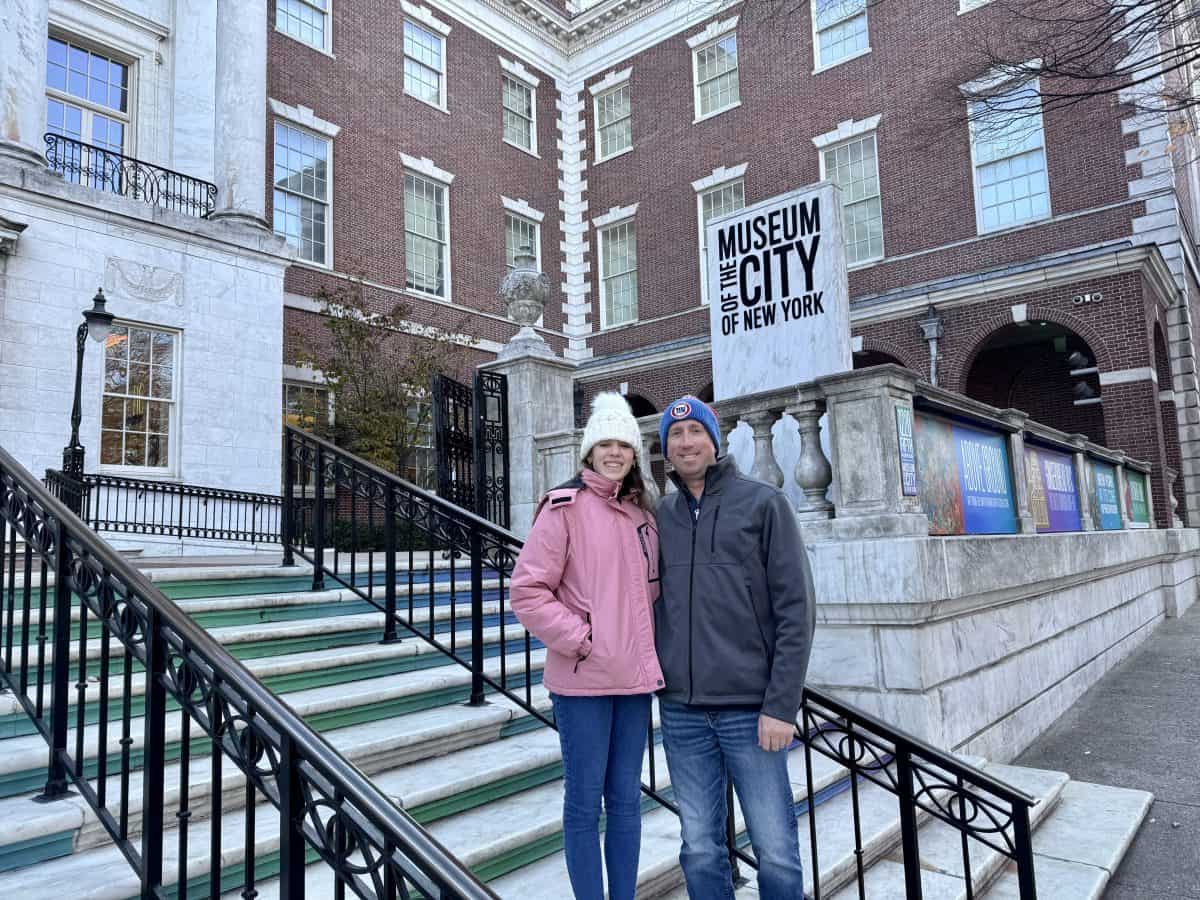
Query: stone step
[
  {"x": 23, "y": 759},
  {"x": 1081, "y": 844}
]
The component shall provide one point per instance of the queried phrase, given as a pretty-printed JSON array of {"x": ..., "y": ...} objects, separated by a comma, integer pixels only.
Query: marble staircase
[{"x": 486, "y": 781}]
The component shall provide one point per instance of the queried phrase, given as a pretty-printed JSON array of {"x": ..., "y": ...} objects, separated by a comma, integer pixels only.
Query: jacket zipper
[
  {"x": 712, "y": 545},
  {"x": 587, "y": 616},
  {"x": 691, "y": 606}
]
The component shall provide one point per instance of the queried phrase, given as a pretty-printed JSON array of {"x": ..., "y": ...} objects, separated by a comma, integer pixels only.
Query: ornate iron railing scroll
[{"x": 76, "y": 618}]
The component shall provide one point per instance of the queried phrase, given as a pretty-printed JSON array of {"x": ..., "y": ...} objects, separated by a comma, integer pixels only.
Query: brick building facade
[{"x": 609, "y": 129}]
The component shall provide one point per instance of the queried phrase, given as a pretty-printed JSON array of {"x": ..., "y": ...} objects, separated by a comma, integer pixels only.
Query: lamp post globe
[{"x": 97, "y": 323}]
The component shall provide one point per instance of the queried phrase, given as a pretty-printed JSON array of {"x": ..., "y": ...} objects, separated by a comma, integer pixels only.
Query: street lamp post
[{"x": 96, "y": 324}]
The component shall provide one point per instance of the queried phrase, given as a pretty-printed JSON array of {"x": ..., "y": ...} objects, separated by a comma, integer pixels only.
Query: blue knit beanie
[{"x": 688, "y": 407}]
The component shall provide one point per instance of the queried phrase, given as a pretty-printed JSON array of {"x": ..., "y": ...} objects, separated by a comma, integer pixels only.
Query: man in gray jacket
[{"x": 733, "y": 630}]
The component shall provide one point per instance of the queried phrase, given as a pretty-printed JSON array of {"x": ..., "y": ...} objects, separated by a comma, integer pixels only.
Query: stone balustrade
[{"x": 840, "y": 440}]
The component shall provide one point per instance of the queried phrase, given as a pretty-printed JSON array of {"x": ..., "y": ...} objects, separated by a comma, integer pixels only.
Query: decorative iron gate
[{"x": 470, "y": 428}]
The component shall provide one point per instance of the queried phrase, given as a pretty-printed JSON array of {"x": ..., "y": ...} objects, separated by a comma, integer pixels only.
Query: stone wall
[{"x": 979, "y": 643}]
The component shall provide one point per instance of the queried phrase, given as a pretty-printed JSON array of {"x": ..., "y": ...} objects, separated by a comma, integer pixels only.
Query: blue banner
[
  {"x": 984, "y": 481},
  {"x": 1108, "y": 510}
]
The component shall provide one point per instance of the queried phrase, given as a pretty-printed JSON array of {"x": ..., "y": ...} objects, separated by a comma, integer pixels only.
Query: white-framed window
[
  {"x": 301, "y": 210},
  {"x": 307, "y": 406},
  {"x": 710, "y": 203},
  {"x": 89, "y": 98},
  {"x": 715, "y": 68},
  {"x": 854, "y": 167},
  {"x": 420, "y": 464},
  {"x": 305, "y": 20},
  {"x": 424, "y": 64},
  {"x": 614, "y": 122},
  {"x": 839, "y": 30},
  {"x": 1008, "y": 155},
  {"x": 139, "y": 421},
  {"x": 427, "y": 235},
  {"x": 618, "y": 274},
  {"x": 519, "y": 112},
  {"x": 521, "y": 232}
]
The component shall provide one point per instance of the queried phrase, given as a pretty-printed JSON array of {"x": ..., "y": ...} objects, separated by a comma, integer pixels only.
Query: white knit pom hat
[{"x": 611, "y": 420}]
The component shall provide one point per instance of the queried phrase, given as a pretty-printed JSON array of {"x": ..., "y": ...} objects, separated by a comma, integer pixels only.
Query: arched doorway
[
  {"x": 1044, "y": 369},
  {"x": 864, "y": 359},
  {"x": 705, "y": 393},
  {"x": 640, "y": 405}
]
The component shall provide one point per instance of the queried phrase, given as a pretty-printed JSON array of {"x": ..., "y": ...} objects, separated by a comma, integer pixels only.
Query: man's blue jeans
[
  {"x": 701, "y": 744},
  {"x": 603, "y": 740}
]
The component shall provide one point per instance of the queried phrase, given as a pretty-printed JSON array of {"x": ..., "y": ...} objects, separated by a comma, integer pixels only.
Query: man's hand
[{"x": 774, "y": 734}]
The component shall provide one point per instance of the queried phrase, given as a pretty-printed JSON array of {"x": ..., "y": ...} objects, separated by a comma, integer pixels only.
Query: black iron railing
[
  {"x": 116, "y": 503},
  {"x": 105, "y": 170},
  {"x": 66, "y": 591},
  {"x": 441, "y": 572}
]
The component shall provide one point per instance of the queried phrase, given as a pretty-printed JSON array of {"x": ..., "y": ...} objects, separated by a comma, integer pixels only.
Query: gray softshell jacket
[{"x": 734, "y": 623}]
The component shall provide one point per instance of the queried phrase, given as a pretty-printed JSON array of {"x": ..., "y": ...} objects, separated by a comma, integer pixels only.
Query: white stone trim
[
  {"x": 713, "y": 31},
  {"x": 424, "y": 166},
  {"x": 856, "y": 343},
  {"x": 117, "y": 12},
  {"x": 611, "y": 80},
  {"x": 303, "y": 374},
  {"x": 576, "y": 286},
  {"x": 523, "y": 209},
  {"x": 423, "y": 15},
  {"x": 615, "y": 214},
  {"x": 304, "y": 117},
  {"x": 1020, "y": 312},
  {"x": 518, "y": 71},
  {"x": 1125, "y": 376},
  {"x": 720, "y": 175},
  {"x": 851, "y": 128},
  {"x": 997, "y": 75},
  {"x": 1166, "y": 395},
  {"x": 301, "y": 302}
]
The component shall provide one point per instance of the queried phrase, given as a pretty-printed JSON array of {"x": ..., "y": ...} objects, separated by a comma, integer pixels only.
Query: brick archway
[{"x": 883, "y": 352}]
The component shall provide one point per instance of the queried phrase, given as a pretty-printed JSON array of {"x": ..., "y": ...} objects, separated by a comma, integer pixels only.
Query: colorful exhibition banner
[
  {"x": 1105, "y": 497},
  {"x": 1053, "y": 496},
  {"x": 1137, "y": 499},
  {"x": 964, "y": 478},
  {"x": 908, "y": 453}
]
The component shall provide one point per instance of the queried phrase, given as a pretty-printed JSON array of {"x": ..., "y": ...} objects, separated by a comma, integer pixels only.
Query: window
[
  {"x": 518, "y": 233},
  {"x": 614, "y": 120},
  {"x": 307, "y": 406},
  {"x": 88, "y": 99},
  {"x": 1009, "y": 155},
  {"x": 424, "y": 65},
  {"x": 301, "y": 210},
  {"x": 618, "y": 275},
  {"x": 517, "y": 99},
  {"x": 138, "y": 415},
  {"x": 716, "y": 67},
  {"x": 854, "y": 167},
  {"x": 426, "y": 242},
  {"x": 419, "y": 462},
  {"x": 305, "y": 20},
  {"x": 718, "y": 201},
  {"x": 841, "y": 30}
]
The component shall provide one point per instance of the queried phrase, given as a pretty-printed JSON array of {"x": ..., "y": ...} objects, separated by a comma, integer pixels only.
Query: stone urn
[{"x": 524, "y": 291}]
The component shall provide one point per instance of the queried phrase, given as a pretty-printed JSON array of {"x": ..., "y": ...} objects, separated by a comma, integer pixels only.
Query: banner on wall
[
  {"x": 1053, "y": 494},
  {"x": 1108, "y": 511},
  {"x": 1137, "y": 499},
  {"x": 908, "y": 453},
  {"x": 964, "y": 478}
]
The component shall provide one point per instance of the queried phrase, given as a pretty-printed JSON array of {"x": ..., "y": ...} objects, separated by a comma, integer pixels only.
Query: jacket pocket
[{"x": 729, "y": 645}]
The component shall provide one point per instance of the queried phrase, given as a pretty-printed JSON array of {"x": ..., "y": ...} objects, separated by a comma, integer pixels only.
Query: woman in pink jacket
[{"x": 584, "y": 586}]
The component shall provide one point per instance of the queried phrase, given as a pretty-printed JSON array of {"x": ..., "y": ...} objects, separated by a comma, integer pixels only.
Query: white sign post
[{"x": 779, "y": 304}]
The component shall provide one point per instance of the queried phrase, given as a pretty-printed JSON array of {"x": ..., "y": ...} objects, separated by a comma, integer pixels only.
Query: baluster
[
  {"x": 287, "y": 515},
  {"x": 910, "y": 847},
  {"x": 184, "y": 814},
  {"x": 291, "y": 823},
  {"x": 154, "y": 753},
  {"x": 389, "y": 566},
  {"x": 477, "y": 619},
  {"x": 765, "y": 467},
  {"x": 56, "y": 777},
  {"x": 649, "y": 436},
  {"x": 813, "y": 473},
  {"x": 318, "y": 582}
]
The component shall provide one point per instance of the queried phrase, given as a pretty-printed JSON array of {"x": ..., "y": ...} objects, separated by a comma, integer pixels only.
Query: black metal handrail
[
  {"x": 373, "y": 510},
  {"x": 72, "y": 587},
  {"x": 105, "y": 170},
  {"x": 118, "y": 503}
]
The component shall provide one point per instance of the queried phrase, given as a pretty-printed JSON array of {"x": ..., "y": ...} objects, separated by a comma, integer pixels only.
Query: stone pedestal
[
  {"x": 241, "y": 103},
  {"x": 540, "y": 402},
  {"x": 1015, "y": 419},
  {"x": 23, "y": 26},
  {"x": 868, "y": 494}
]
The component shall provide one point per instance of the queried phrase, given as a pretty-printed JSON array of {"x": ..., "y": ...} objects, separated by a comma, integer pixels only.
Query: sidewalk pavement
[{"x": 1139, "y": 727}]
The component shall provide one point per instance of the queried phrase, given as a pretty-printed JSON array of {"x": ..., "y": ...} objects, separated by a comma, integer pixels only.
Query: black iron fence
[
  {"x": 442, "y": 573},
  {"x": 75, "y": 616},
  {"x": 105, "y": 170},
  {"x": 116, "y": 503}
]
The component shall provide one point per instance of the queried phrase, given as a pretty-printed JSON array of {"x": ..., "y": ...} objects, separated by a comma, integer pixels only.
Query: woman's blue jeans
[{"x": 603, "y": 740}]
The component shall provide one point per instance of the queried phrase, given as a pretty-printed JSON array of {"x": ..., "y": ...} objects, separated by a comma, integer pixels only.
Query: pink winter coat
[{"x": 584, "y": 586}]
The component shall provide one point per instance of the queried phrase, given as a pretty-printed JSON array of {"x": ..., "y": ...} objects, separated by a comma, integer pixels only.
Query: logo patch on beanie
[{"x": 681, "y": 410}]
